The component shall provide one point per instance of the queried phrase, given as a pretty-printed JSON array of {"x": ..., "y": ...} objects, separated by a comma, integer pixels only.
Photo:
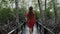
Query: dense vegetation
[{"x": 8, "y": 11}]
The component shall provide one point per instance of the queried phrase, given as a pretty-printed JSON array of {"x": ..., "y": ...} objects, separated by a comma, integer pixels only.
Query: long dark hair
[{"x": 31, "y": 11}]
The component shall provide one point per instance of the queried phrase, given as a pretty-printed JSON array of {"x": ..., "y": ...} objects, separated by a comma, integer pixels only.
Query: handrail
[
  {"x": 46, "y": 28},
  {"x": 15, "y": 28},
  {"x": 11, "y": 31}
]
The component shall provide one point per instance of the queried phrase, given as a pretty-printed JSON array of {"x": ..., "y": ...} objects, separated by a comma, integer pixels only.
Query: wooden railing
[
  {"x": 14, "y": 31},
  {"x": 40, "y": 25}
]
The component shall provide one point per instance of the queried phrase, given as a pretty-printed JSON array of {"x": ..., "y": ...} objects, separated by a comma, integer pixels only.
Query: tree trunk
[
  {"x": 55, "y": 10},
  {"x": 41, "y": 14},
  {"x": 41, "y": 11},
  {"x": 17, "y": 16},
  {"x": 45, "y": 11}
]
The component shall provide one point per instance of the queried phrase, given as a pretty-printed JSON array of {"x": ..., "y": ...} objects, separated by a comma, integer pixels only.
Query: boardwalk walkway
[{"x": 26, "y": 30}]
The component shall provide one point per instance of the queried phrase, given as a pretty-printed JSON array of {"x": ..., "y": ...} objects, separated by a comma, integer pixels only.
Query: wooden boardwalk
[{"x": 26, "y": 30}]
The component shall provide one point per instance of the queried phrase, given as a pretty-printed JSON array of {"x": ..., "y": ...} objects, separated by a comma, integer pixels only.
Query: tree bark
[
  {"x": 45, "y": 11},
  {"x": 55, "y": 10},
  {"x": 17, "y": 15},
  {"x": 41, "y": 11},
  {"x": 42, "y": 15}
]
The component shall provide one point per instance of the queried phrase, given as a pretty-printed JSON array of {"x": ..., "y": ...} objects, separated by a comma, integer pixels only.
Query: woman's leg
[{"x": 30, "y": 30}]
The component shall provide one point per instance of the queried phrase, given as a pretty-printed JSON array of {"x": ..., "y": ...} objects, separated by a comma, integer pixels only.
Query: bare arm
[
  {"x": 26, "y": 18},
  {"x": 26, "y": 15}
]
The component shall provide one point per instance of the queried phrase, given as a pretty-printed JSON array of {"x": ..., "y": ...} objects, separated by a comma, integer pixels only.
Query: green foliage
[
  {"x": 37, "y": 14},
  {"x": 22, "y": 11},
  {"x": 58, "y": 11},
  {"x": 49, "y": 13},
  {"x": 5, "y": 15},
  {"x": 22, "y": 14}
]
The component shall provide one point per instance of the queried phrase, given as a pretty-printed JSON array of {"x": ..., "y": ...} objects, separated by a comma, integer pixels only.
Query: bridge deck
[{"x": 26, "y": 30}]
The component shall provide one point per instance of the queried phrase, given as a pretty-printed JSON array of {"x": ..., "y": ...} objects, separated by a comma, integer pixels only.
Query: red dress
[{"x": 30, "y": 22}]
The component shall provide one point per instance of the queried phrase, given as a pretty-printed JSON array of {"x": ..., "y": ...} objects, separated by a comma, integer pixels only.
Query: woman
[{"x": 30, "y": 19}]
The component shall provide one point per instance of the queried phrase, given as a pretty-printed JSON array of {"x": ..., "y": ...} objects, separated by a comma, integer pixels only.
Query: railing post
[
  {"x": 59, "y": 32},
  {"x": 42, "y": 30},
  {"x": 36, "y": 24},
  {"x": 45, "y": 31},
  {"x": 16, "y": 32}
]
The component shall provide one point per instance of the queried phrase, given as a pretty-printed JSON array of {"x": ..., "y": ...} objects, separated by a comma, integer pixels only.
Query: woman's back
[{"x": 30, "y": 21}]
